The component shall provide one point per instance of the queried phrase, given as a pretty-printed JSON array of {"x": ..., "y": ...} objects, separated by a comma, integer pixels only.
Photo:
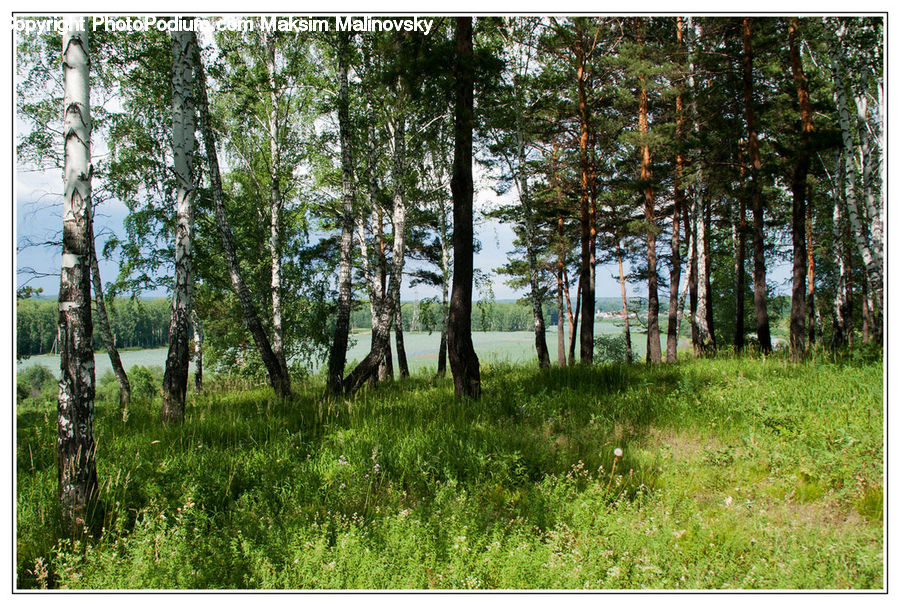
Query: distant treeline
[
  {"x": 145, "y": 323},
  {"x": 135, "y": 323}
]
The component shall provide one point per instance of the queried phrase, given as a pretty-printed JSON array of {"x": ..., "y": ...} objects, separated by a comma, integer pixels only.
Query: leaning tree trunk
[
  {"x": 463, "y": 360},
  {"x": 279, "y": 381},
  {"x": 759, "y": 261},
  {"x": 338, "y": 357},
  {"x": 184, "y": 45},
  {"x": 105, "y": 330},
  {"x": 798, "y": 211},
  {"x": 76, "y": 468}
]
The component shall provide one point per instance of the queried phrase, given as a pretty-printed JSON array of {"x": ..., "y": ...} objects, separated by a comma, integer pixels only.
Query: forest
[{"x": 283, "y": 185}]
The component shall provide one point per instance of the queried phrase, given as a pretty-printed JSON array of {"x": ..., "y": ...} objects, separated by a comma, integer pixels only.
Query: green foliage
[
  {"x": 37, "y": 383},
  {"x": 745, "y": 472},
  {"x": 609, "y": 348}
]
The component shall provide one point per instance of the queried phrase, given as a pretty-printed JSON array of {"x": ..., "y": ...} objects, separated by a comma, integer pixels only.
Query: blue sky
[{"x": 39, "y": 219}]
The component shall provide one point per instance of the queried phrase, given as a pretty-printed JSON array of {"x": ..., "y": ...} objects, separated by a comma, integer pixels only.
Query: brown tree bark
[
  {"x": 654, "y": 352},
  {"x": 463, "y": 360},
  {"x": 678, "y": 204},
  {"x": 76, "y": 467},
  {"x": 759, "y": 261},
  {"x": 587, "y": 215}
]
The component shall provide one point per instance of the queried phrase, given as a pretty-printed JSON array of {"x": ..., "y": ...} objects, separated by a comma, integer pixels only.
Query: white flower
[
  {"x": 618, "y": 452},
  {"x": 728, "y": 501}
]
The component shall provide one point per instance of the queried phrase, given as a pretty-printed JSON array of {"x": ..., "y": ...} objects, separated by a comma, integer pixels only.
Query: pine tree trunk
[
  {"x": 463, "y": 360},
  {"x": 739, "y": 230},
  {"x": 560, "y": 301},
  {"x": 654, "y": 353},
  {"x": 279, "y": 381},
  {"x": 587, "y": 217},
  {"x": 759, "y": 261},
  {"x": 798, "y": 212},
  {"x": 76, "y": 467},
  {"x": 184, "y": 45},
  {"x": 105, "y": 330},
  {"x": 338, "y": 356},
  {"x": 678, "y": 204}
]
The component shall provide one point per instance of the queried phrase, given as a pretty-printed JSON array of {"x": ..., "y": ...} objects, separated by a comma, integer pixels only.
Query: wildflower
[
  {"x": 728, "y": 501},
  {"x": 618, "y": 452}
]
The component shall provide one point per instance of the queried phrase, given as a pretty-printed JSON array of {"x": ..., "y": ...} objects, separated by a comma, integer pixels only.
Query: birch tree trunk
[
  {"x": 76, "y": 468},
  {"x": 463, "y": 360},
  {"x": 338, "y": 357},
  {"x": 870, "y": 249},
  {"x": 184, "y": 45},
  {"x": 198, "y": 352},
  {"x": 702, "y": 333},
  {"x": 841, "y": 317},
  {"x": 759, "y": 262},
  {"x": 739, "y": 235},
  {"x": 276, "y": 205},
  {"x": 109, "y": 341},
  {"x": 280, "y": 382}
]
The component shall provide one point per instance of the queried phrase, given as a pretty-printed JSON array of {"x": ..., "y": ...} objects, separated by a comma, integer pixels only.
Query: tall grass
[{"x": 736, "y": 472}]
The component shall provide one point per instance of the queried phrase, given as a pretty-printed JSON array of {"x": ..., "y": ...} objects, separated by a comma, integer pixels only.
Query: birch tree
[
  {"x": 77, "y": 472},
  {"x": 184, "y": 46}
]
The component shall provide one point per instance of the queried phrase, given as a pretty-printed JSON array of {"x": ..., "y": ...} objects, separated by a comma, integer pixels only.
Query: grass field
[{"x": 736, "y": 473}]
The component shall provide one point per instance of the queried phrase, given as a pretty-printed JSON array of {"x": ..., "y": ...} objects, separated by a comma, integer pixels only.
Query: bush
[
  {"x": 35, "y": 382},
  {"x": 609, "y": 348},
  {"x": 145, "y": 383}
]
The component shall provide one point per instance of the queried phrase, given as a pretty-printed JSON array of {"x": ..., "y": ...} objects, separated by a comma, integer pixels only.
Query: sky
[{"x": 39, "y": 219}]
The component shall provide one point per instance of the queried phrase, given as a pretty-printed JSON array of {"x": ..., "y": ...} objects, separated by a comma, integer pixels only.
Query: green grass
[{"x": 737, "y": 473}]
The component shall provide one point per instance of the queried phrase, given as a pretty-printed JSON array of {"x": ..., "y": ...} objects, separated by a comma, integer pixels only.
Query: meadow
[{"x": 750, "y": 472}]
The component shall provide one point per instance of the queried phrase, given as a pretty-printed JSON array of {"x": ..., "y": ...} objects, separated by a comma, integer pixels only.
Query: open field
[{"x": 736, "y": 473}]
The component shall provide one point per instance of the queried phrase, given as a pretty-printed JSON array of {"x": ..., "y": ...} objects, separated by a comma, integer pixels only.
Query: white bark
[
  {"x": 77, "y": 475},
  {"x": 183, "y": 148}
]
